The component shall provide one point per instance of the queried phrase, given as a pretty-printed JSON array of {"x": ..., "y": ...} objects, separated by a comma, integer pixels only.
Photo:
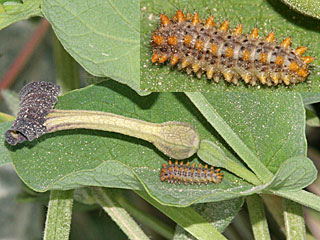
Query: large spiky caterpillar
[
  {"x": 204, "y": 47},
  {"x": 177, "y": 173}
]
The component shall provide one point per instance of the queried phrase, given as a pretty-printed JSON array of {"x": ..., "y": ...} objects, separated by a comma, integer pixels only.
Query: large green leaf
[
  {"x": 11, "y": 11},
  {"x": 310, "y": 7},
  {"x": 271, "y": 125},
  {"x": 266, "y": 15},
  {"x": 103, "y": 36}
]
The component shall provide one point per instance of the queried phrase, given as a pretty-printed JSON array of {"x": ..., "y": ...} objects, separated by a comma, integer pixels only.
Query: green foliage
[
  {"x": 102, "y": 36},
  {"x": 266, "y": 15},
  {"x": 14, "y": 11},
  {"x": 261, "y": 133},
  {"x": 294, "y": 174},
  {"x": 270, "y": 125},
  {"x": 310, "y": 7}
]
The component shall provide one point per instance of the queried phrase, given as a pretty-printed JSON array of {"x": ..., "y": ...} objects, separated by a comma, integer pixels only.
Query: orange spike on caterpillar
[
  {"x": 254, "y": 34},
  {"x": 206, "y": 47},
  {"x": 238, "y": 30},
  {"x": 209, "y": 23},
  {"x": 178, "y": 172},
  {"x": 224, "y": 26},
  {"x": 270, "y": 37}
]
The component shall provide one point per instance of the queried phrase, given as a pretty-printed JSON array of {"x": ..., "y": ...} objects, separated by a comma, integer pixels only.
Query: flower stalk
[{"x": 178, "y": 140}]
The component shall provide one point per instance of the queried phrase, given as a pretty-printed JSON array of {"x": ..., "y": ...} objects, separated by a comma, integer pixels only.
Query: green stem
[
  {"x": 147, "y": 219},
  {"x": 187, "y": 218},
  {"x": 213, "y": 155},
  {"x": 59, "y": 215},
  {"x": 293, "y": 220},
  {"x": 67, "y": 69},
  {"x": 106, "y": 199},
  {"x": 230, "y": 136},
  {"x": 258, "y": 217},
  {"x": 178, "y": 140}
]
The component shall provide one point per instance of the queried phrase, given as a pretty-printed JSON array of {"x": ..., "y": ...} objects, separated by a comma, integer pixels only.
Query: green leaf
[
  {"x": 266, "y": 15},
  {"x": 310, "y": 97},
  {"x": 303, "y": 197},
  {"x": 271, "y": 125},
  {"x": 294, "y": 174},
  {"x": 4, "y": 152},
  {"x": 310, "y": 7},
  {"x": 102, "y": 36},
  {"x": 312, "y": 118},
  {"x": 13, "y": 12},
  {"x": 215, "y": 213}
]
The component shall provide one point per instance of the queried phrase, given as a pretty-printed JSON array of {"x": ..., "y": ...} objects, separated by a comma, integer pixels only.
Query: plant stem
[
  {"x": 59, "y": 215},
  {"x": 225, "y": 131},
  {"x": 187, "y": 218},
  {"x": 178, "y": 140},
  {"x": 293, "y": 220},
  {"x": 211, "y": 154},
  {"x": 258, "y": 217},
  {"x": 147, "y": 219},
  {"x": 67, "y": 69},
  {"x": 106, "y": 199},
  {"x": 301, "y": 196}
]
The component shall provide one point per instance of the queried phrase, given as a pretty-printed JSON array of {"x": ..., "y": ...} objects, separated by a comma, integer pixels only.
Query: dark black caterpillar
[{"x": 36, "y": 100}]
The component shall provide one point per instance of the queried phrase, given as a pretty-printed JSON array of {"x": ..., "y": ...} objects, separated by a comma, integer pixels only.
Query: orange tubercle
[
  {"x": 293, "y": 66},
  {"x": 286, "y": 42},
  {"x": 270, "y": 37},
  {"x": 254, "y": 33},
  {"x": 238, "y": 29},
  {"x": 301, "y": 50},
  {"x": 307, "y": 59},
  {"x": 163, "y": 58},
  {"x": 209, "y": 23},
  {"x": 172, "y": 40},
  {"x": 180, "y": 16},
  {"x": 246, "y": 55},
  {"x": 195, "y": 19},
  {"x": 302, "y": 73},
  {"x": 224, "y": 26},
  {"x": 199, "y": 45},
  {"x": 263, "y": 57},
  {"x": 157, "y": 39},
  {"x": 187, "y": 39},
  {"x": 279, "y": 60},
  {"x": 164, "y": 19},
  {"x": 155, "y": 57},
  {"x": 213, "y": 48},
  {"x": 229, "y": 52}
]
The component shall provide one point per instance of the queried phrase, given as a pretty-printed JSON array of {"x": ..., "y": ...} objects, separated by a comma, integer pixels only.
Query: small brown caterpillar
[
  {"x": 177, "y": 173},
  {"x": 204, "y": 47}
]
